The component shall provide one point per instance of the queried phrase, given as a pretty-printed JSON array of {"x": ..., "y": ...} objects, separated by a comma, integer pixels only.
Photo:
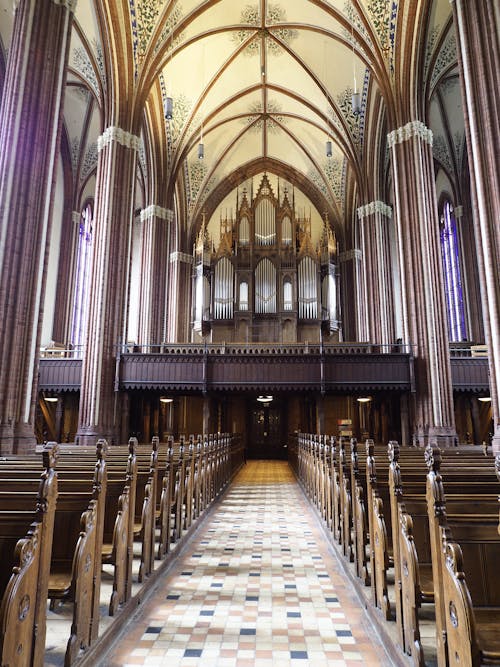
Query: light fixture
[
  {"x": 201, "y": 147},
  {"x": 364, "y": 399},
  {"x": 169, "y": 108},
  {"x": 356, "y": 101},
  {"x": 51, "y": 399},
  {"x": 328, "y": 144},
  {"x": 484, "y": 399},
  {"x": 264, "y": 399},
  {"x": 165, "y": 399},
  {"x": 356, "y": 96},
  {"x": 169, "y": 102}
]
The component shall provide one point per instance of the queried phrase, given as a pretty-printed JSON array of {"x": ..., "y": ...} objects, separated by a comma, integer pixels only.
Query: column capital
[
  {"x": 348, "y": 255},
  {"x": 155, "y": 211},
  {"x": 181, "y": 257},
  {"x": 459, "y": 212},
  {"x": 122, "y": 137},
  {"x": 374, "y": 207},
  {"x": 76, "y": 216},
  {"x": 415, "y": 128},
  {"x": 69, "y": 4}
]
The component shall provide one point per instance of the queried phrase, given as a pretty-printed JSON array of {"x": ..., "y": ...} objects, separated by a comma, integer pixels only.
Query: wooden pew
[
  {"x": 467, "y": 597},
  {"x": 75, "y": 562},
  {"x": 359, "y": 516},
  {"x": 399, "y": 535},
  {"x": 382, "y": 505},
  {"x": 72, "y": 569},
  {"x": 118, "y": 528},
  {"x": 25, "y": 548}
]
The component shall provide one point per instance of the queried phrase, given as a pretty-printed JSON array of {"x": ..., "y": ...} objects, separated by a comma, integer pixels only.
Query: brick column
[
  {"x": 478, "y": 29},
  {"x": 374, "y": 219},
  {"x": 30, "y": 114},
  {"x": 156, "y": 222},
  {"x": 108, "y": 308},
  {"x": 354, "y": 315},
  {"x": 179, "y": 297},
  {"x": 424, "y": 314}
]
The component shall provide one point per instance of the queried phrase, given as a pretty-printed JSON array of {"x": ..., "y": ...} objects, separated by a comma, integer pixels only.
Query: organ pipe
[
  {"x": 308, "y": 301},
  {"x": 265, "y": 287},
  {"x": 244, "y": 235},
  {"x": 286, "y": 231},
  {"x": 224, "y": 286},
  {"x": 265, "y": 223}
]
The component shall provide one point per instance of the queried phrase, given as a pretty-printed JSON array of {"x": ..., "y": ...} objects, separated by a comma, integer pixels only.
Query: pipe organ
[{"x": 265, "y": 281}]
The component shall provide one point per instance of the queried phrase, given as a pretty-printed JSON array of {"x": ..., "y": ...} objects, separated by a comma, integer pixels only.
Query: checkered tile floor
[{"x": 257, "y": 587}]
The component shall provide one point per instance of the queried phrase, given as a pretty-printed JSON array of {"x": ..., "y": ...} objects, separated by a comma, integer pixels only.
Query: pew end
[{"x": 473, "y": 634}]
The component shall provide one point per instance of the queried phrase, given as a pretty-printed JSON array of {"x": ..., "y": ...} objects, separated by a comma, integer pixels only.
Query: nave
[{"x": 258, "y": 585}]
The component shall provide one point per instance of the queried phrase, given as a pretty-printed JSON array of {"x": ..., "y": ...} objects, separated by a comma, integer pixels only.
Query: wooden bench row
[
  {"x": 387, "y": 510},
  {"x": 58, "y": 529}
]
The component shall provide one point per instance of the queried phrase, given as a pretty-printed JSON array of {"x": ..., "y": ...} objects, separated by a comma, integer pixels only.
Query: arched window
[
  {"x": 287, "y": 295},
  {"x": 82, "y": 277},
  {"x": 452, "y": 275},
  {"x": 224, "y": 289},
  {"x": 265, "y": 287}
]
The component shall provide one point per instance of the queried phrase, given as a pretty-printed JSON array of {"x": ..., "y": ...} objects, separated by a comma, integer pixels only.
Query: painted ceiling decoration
[{"x": 264, "y": 84}]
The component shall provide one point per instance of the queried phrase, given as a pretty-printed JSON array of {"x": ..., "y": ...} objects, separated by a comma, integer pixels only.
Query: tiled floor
[{"x": 259, "y": 586}]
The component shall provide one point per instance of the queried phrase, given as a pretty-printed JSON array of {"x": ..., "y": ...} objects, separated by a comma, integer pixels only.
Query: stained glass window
[{"x": 452, "y": 275}]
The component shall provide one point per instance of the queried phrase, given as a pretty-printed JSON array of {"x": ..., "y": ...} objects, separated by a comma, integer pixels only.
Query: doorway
[{"x": 267, "y": 430}]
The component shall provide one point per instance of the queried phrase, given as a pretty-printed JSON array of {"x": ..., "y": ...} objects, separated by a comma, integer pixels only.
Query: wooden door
[{"x": 267, "y": 432}]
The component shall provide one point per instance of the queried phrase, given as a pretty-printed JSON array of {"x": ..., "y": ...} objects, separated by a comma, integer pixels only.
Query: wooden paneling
[
  {"x": 470, "y": 374},
  {"x": 192, "y": 370},
  {"x": 60, "y": 374}
]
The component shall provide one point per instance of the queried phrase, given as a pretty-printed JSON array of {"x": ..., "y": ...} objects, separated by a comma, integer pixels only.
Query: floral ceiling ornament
[
  {"x": 271, "y": 115},
  {"x": 446, "y": 58},
  {"x": 89, "y": 162},
  {"x": 83, "y": 66},
  {"x": 172, "y": 20},
  {"x": 275, "y": 14}
]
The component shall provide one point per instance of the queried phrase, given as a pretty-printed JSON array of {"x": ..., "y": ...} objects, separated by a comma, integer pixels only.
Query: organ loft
[{"x": 265, "y": 280}]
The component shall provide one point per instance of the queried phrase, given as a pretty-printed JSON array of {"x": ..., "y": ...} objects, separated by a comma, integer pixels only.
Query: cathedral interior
[
  {"x": 247, "y": 232},
  {"x": 312, "y": 185}
]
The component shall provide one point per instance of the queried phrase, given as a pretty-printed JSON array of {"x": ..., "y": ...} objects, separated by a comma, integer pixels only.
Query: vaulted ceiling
[{"x": 263, "y": 85}]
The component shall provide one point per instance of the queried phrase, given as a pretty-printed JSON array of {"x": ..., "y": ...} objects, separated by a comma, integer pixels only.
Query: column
[
  {"x": 478, "y": 29},
  {"x": 206, "y": 414},
  {"x": 30, "y": 114},
  {"x": 354, "y": 319},
  {"x": 107, "y": 319},
  {"x": 179, "y": 297},
  {"x": 63, "y": 313},
  {"x": 320, "y": 415},
  {"x": 424, "y": 315},
  {"x": 405, "y": 420},
  {"x": 156, "y": 222},
  {"x": 374, "y": 219}
]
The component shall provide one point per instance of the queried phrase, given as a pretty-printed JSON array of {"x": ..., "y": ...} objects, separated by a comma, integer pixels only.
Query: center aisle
[{"x": 258, "y": 586}]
